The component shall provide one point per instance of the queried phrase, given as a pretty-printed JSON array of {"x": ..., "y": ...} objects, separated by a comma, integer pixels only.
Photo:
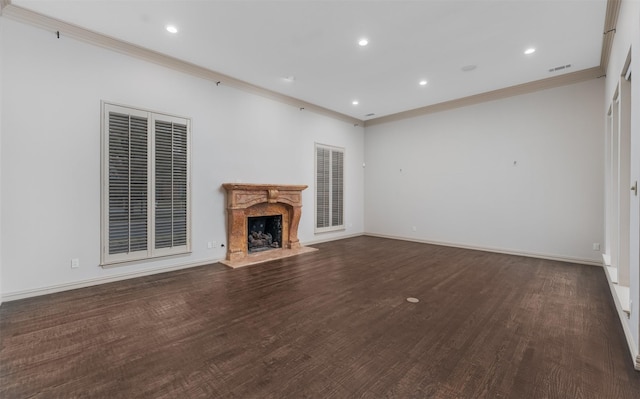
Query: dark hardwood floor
[{"x": 330, "y": 324}]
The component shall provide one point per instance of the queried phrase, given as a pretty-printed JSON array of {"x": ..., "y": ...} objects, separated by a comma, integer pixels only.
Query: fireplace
[
  {"x": 264, "y": 233},
  {"x": 270, "y": 211}
]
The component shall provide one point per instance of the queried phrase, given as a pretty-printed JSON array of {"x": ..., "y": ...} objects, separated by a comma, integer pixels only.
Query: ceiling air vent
[
  {"x": 371, "y": 114},
  {"x": 560, "y": 68}
]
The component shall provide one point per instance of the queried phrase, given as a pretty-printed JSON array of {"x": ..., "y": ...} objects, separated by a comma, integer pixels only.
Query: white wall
[
  {"x": 522, "y": 174},
  {"x": 50, "y": 155},
  {"x": 627, "y": 37}
]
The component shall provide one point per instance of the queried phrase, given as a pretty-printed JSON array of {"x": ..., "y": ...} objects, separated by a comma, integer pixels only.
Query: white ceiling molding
[
  {"x": 23, "y": 15},
  {"x": 610, "y": 22},
  {"x": 611, "y": 19},
  {"x": 3, "y": 4},
  {"x": 76, "y": 32},
  {"x": 556, "y": 81}
]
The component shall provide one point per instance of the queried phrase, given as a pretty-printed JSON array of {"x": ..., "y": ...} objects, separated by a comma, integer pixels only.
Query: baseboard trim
[
  {"x": 16, "y": 295},
  {"x": 633, "y": 350},
  {"x": 558, "y": 258},
  {"x": 622, "y": 315},
  {"x": 321, "y": 240}
]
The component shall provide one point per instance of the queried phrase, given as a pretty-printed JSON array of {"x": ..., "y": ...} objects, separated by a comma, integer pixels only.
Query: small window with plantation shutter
[
  {"x": 329, "y": 188},
  {"x": 145, "y": 185}
]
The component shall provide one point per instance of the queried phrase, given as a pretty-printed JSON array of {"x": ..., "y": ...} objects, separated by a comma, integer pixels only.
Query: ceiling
[{"x": 309, "y": 49}]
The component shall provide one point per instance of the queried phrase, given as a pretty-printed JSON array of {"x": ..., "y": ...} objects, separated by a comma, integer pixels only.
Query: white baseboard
[
  {"x": 15, "y": 295},
  {"x": 321, "y": 240},
  {"x": 622, "y": 315},
  {"x": 612, "y": 274},
  {"x": 622, "y": 309},
  {"x": 560, "y": 258}
]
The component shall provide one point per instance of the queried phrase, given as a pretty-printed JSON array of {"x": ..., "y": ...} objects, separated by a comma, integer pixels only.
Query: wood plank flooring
[{"x": 329, "y": 324}]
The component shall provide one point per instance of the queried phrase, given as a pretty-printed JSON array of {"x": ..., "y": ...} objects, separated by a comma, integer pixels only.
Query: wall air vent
[{"x": 559, "y": 68}]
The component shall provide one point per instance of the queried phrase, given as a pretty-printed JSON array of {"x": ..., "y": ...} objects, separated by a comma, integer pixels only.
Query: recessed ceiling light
[
  {"x": 423, "y": 83},
  {"x": 468, "y": 68},
  {"x": 289, "y": 79},
  {"x": 363, "y": 42},
  {"x": 172, "y": 29},
  {"x": 355, "y": 102},
  {"x": 530, "y": 50}
]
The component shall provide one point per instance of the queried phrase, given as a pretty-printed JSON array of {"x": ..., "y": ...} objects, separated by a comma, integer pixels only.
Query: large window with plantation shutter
[
  {"x": 329, "y": 188},
  {"x": 145, "y": 184}
]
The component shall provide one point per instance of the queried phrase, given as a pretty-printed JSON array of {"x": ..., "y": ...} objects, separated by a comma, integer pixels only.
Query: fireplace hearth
[{"x": 262, "y": 222}]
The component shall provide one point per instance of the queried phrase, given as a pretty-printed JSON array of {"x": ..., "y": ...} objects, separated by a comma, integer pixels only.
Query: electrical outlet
[
  {"x": 210, "y": 244},
  {"x": 414, "y": 228},
  {"x": 75, "y": 263},
  {"x": 596, "y": 246}
]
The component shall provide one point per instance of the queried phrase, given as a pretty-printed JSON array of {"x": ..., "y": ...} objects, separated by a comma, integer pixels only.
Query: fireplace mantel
[
  {"x": 250, "y": 200},
  {"x": 240, "y": 196}
]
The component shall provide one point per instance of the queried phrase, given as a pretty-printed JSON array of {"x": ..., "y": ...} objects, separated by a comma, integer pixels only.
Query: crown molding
[
  {"x": 3, "y": 4},
  {"x": 610, "y": 23},
  {"x": 35, "y": 19},
  {"x": 611, "y": 20},
  {"x": 65, "y": 29},
  {"x": 530, "y": 87}
]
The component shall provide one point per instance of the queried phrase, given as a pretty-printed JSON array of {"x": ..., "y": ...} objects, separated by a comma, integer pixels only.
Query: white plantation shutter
[
  {"x": 337, "y": 188},
  {"x": 170, "y": 184},
  {"x": 323, "y": 186},
  {"x": 329, "y": 188},
  {"x": 146, "y": 211},
  {"x": 128, "y": 182}
]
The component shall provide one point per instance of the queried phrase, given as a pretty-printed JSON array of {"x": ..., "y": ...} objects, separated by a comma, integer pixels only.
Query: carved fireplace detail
[{"x": 252, "y": 200}]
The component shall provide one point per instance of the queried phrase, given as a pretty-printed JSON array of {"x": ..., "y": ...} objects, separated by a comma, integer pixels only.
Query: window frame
[
  {"x": 151, "y": 252},
  {"x": 332, "y": 150}
]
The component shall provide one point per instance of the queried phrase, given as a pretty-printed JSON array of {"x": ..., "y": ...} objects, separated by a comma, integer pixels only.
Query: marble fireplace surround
[{"x": 251, "y": 200}]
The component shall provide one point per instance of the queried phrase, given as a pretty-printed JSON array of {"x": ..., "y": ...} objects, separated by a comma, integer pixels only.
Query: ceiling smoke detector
[{"x": 559, "y": 68}]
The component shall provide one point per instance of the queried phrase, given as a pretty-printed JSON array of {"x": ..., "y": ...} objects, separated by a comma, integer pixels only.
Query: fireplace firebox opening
[{"x": 264, "y": 233}]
